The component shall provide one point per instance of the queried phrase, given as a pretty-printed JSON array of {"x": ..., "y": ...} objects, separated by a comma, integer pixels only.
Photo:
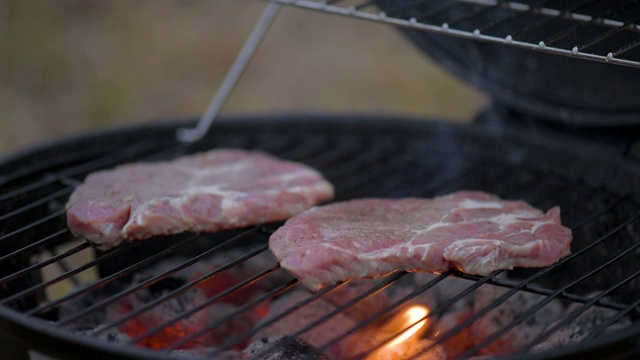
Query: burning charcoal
[
  {"x": 455, "y": 314},
  {"x": 236, "y": 274},
  {"x": 409, "y": 284},
  {"x": 580, "y": 327},
  {"x": 166, "y": 285},
  {"x": 364, "y": 309},
  {"x": 239, "y": 324},
  {"x": 160, "y": 314},
  {"x": 110, "y": 334},
  {"x": 281, "y": 348},
  {"x": 207, "y": 353},
  {"x": 449, "y": 288},
  {"x": 463, "y": 340},
  {"x": 505, "y": 313},
  {"x": 93, "y": 319},
  {"x": 301, "y": 317}
]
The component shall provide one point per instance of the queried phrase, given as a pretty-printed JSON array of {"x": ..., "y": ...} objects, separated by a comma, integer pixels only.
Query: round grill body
[{"x": 363, "y": 156}]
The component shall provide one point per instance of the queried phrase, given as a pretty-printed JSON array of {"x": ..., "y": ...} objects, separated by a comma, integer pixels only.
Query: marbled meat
[
  {"x": 474, "y": 232},
  {"x": 205, "y": 192}
]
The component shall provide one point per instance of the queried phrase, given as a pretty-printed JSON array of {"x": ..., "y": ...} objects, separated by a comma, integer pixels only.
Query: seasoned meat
[
  {"x": 471, "y": 231},
  {"x": 205, "y": 192}
]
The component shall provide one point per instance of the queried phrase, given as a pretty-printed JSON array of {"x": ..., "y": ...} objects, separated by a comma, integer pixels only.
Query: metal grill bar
[
  {"x": 106, "y": 280},
  {"x": 253, "y": 279},
  {"x": 36, "y": 203},
  {"x": 394, "y": 306},
  {"x": 522, "y": 317},
  {"x": 630, "y": 46},
  {"x": 594, "y": 215},
  {"x": 338, "y": 310},
  {"x": 439, "y": 310},
  {"x": 613, "y": 320},
  {"x": 515, "y": 15},
  {"x": 40, "y": 221},
  {"x": 535, "y": 289},
  {"x": 154, "y": 279},
  {"x": 248, "y": 305},
  {"x": 506, "y": 40},
  {"x": 597, "y": 39},
  {"x": 308, "y": 300},
  {"x": 58, "y": 279},
  {"x": 184, "y": 288},
  {"x": 571, "y": 14},
  {"x": 33, "y": 245},
  {"x": 521, "y": 286},
  {"x": 343, "y": 155},
  {"x": 59, "y": 160},
  {"x": 587, "y": 305},
  {"x": 35, "y": 267},
  {"x": 107, "y": 160}
]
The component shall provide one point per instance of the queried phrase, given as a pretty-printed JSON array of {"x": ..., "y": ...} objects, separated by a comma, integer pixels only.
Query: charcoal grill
[{"x": 534, "y": 152}]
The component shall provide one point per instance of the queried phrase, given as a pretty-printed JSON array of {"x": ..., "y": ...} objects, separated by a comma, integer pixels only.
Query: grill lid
[{"x": 43, "y": 267}]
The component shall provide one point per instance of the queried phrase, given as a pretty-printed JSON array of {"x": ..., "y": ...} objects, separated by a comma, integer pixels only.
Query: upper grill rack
[{"x": 584, "y": 29}]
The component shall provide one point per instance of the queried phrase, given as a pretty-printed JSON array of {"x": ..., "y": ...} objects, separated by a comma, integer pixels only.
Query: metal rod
[
  {"x": 386, "y": 310},
  {"x": 33, "y": 245},
  {"x": 190, "y": 135},
  {"x": 105, "y": 302},
  {"x": 575, "y": 314},
  {"x": 185, "y": 314},
  {"x": 262, "y": 325},
  {"x": 110, "y": 159},
  {"x": 120, "y": 252},
  {"x": 524, "y": 283},
  {"x": 248, "y": 305},
  {"x": 35, "y": 267},
  {"x": 525, "y": 315},
  {"x": 184, "y": 288},
  {"x": 40, "y": 221},
  {"x": 40, "y": 201}
]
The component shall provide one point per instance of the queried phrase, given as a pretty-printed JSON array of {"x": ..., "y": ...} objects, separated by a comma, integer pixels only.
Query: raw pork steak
[
  {"x": 471, "y": 231},
  {"x": 205, "y": 192}
]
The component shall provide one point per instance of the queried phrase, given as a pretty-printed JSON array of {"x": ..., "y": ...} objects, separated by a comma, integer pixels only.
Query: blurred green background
[{"x": 68, "y": 66}]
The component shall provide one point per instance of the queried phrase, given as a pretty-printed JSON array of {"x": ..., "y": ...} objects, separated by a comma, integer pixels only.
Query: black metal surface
[
  {"x": 596, "y": 187},
  {"x": 554, "y": 87}
]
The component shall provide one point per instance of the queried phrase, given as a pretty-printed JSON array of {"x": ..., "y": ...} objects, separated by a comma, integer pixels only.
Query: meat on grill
[
  {"x": 474, "y": 232},
  {"x": 205, "y": 192}
]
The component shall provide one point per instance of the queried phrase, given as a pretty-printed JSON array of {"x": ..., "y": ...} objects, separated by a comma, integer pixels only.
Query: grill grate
[
  {"x": 584, "y": 29},
  {"x": 363, "y": 158}
]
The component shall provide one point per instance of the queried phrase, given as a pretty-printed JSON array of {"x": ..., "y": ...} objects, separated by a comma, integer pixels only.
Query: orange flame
[
  {"x": 411, "y": 323},
  {"x": 411, "y": 316}
]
